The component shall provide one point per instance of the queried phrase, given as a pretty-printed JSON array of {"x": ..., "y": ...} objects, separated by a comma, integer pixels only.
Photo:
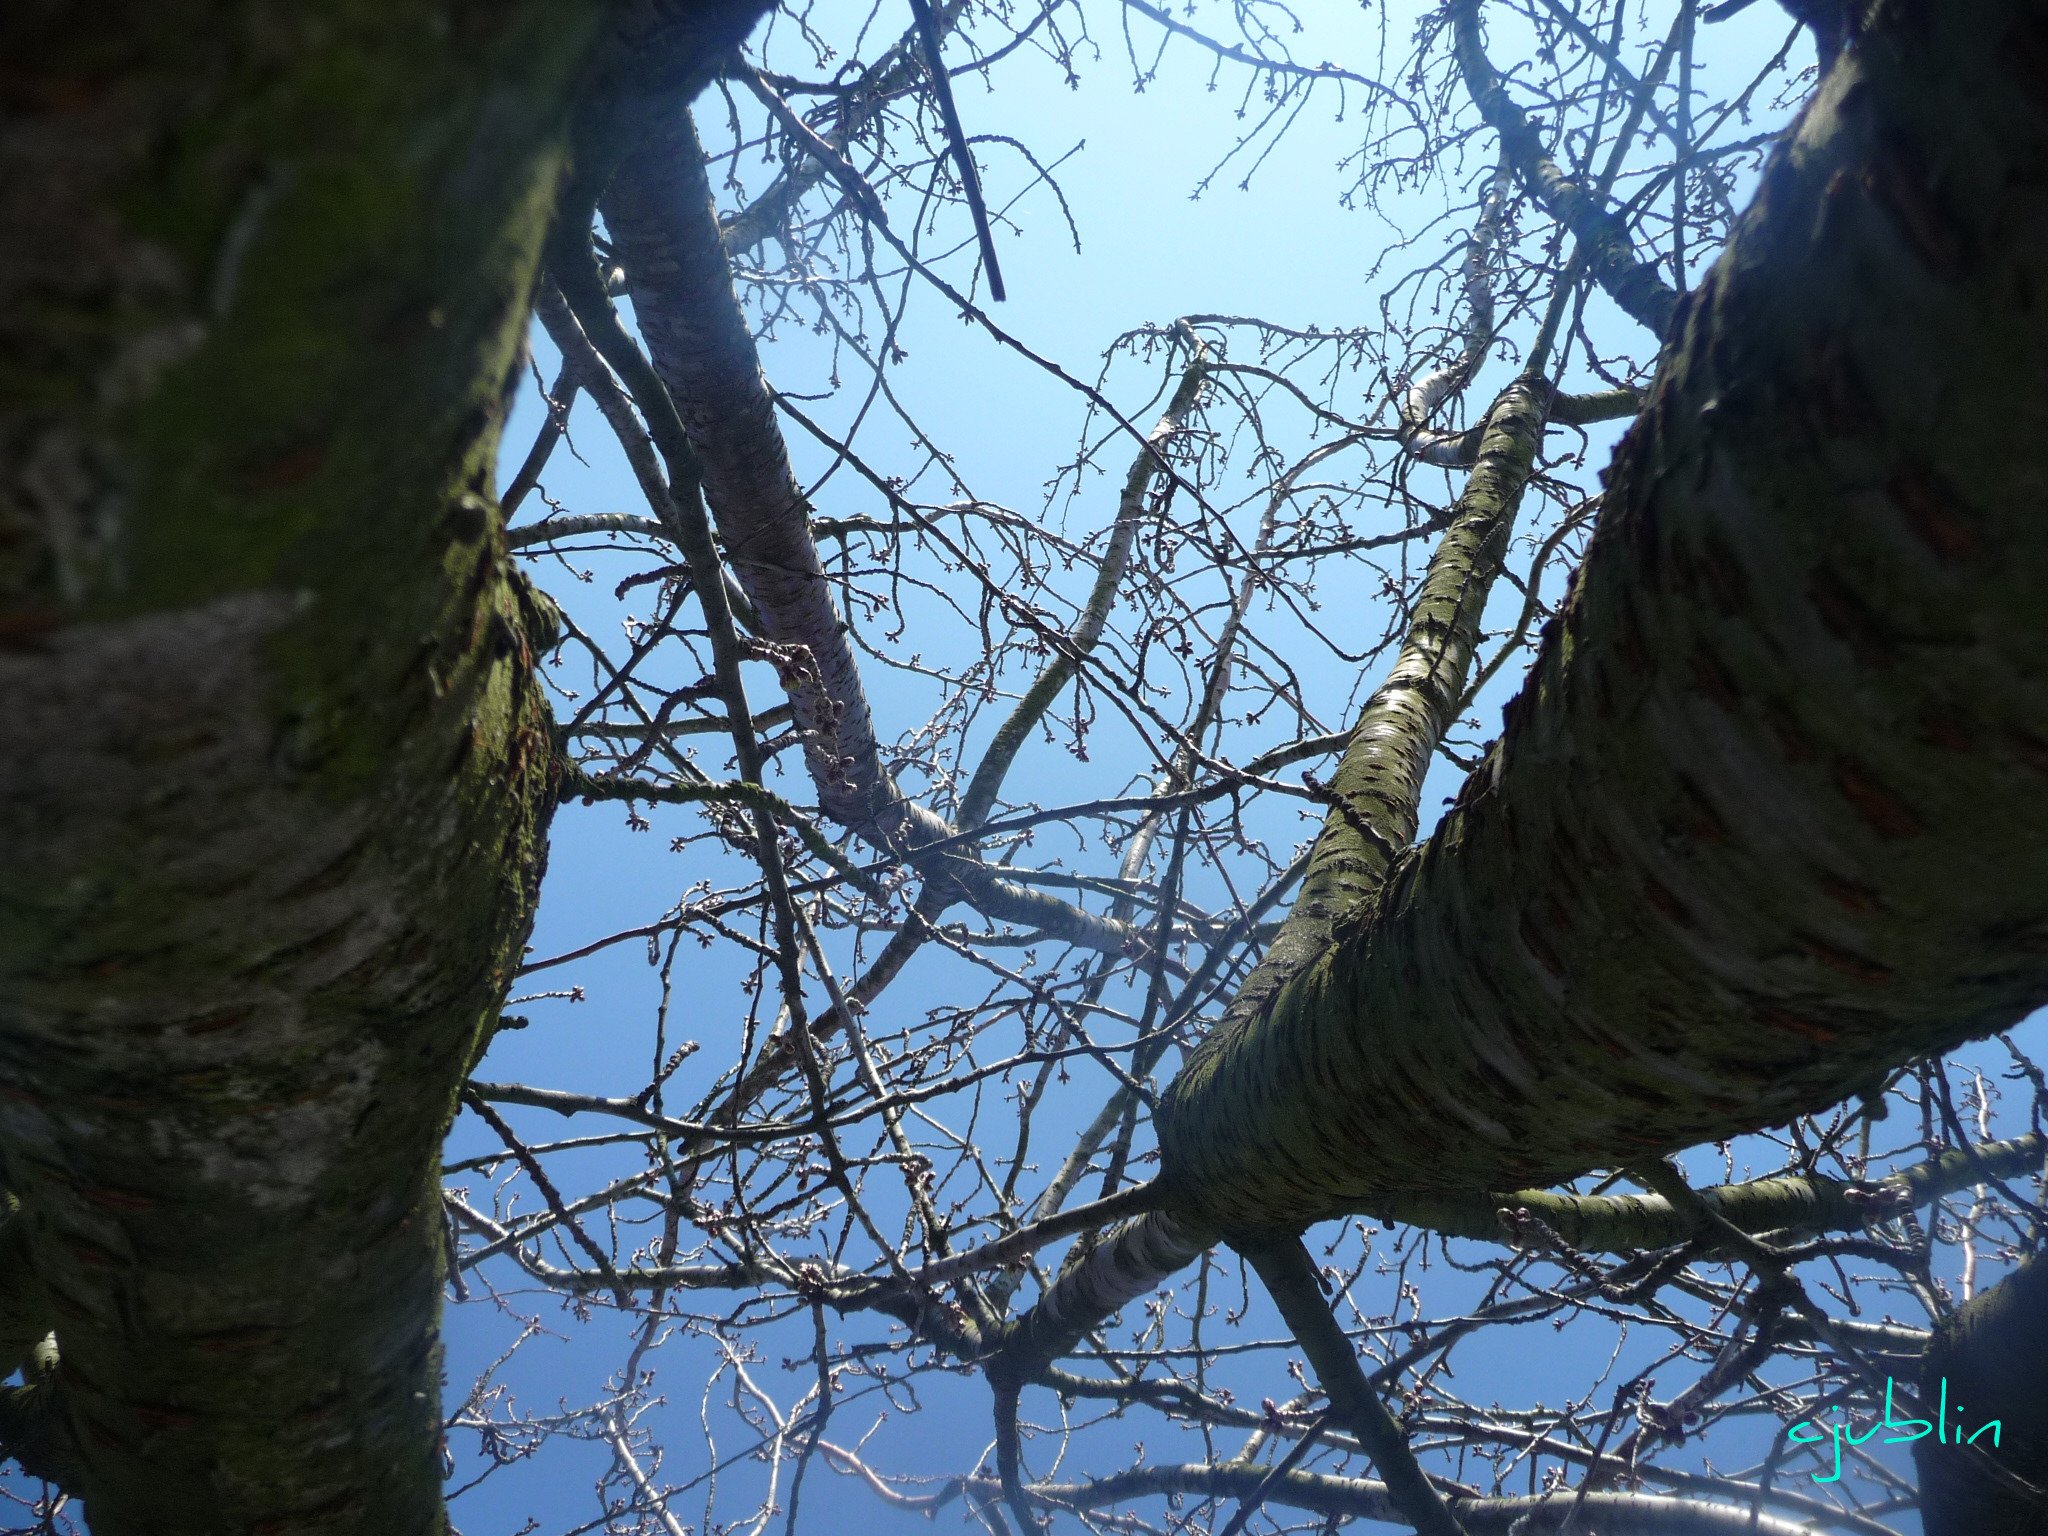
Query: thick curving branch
[{"x": 1799, "y": 677}]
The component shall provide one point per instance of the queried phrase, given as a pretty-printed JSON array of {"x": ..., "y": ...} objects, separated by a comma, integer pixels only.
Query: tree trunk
[
  {"x": 279, "y": 772},
  {"x": 1989, "y": 1362},
  {"x": 1764, "y": 821}
]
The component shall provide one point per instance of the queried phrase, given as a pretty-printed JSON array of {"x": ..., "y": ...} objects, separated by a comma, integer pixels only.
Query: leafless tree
[{"x": 1086, "y": 1042}]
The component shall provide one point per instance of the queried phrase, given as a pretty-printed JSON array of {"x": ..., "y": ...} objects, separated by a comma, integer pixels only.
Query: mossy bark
[
  {"x": 1808, "y": 1203},
  {"x": 1764, "y": 821},
  {"x": 272, "y": 815}
]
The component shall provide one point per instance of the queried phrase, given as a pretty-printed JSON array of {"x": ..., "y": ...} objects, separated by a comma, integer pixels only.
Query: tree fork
[{"x": 1375, "y": 790}]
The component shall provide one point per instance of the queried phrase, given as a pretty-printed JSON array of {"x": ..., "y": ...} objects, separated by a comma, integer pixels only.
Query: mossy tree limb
[
  {"x": 273, "y": 814},
  {"x": 1764, "y": 821},
  {"x": 1798, "y": 1203},
  {"x": 1374, "y": 795}
]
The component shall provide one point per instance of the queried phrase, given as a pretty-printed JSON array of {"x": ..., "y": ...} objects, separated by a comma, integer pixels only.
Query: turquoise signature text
[{"x": 1806, "y": 1432}]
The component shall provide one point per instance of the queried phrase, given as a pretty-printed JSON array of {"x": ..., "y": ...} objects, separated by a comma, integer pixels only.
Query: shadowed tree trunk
[
  {"x": 278, "y": 776},
  {"x": 1988, "y": 1362}
]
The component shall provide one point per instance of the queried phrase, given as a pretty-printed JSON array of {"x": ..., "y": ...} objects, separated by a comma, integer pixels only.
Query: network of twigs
[{"x": 859, "y": 1065}]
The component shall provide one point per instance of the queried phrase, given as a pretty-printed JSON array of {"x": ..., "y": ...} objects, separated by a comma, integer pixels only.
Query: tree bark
[
  {"x": 272, "y": 818},
  {"x": 1989, "y": 1362},
  {"x": 1764, "y": 821}
]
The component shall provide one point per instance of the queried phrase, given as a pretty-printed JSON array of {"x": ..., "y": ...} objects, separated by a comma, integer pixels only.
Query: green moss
[{"x": 343, "y": 208}]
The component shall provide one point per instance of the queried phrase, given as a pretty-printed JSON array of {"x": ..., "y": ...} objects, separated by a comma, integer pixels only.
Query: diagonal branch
[
  {"x": 1147, "y": 468},
  {"x": 664, "y": 230},
  {"x": 1292, "y": 1280},
  {"x": 1375, "y": 795},
  {"x": 862, "y": 101},
  {"x": 1611, "y": 258},
  {"x": 932, "y": 38}
]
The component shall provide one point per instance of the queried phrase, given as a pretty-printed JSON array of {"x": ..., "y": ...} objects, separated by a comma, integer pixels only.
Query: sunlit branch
[{"x": 1633, "y": 283}]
